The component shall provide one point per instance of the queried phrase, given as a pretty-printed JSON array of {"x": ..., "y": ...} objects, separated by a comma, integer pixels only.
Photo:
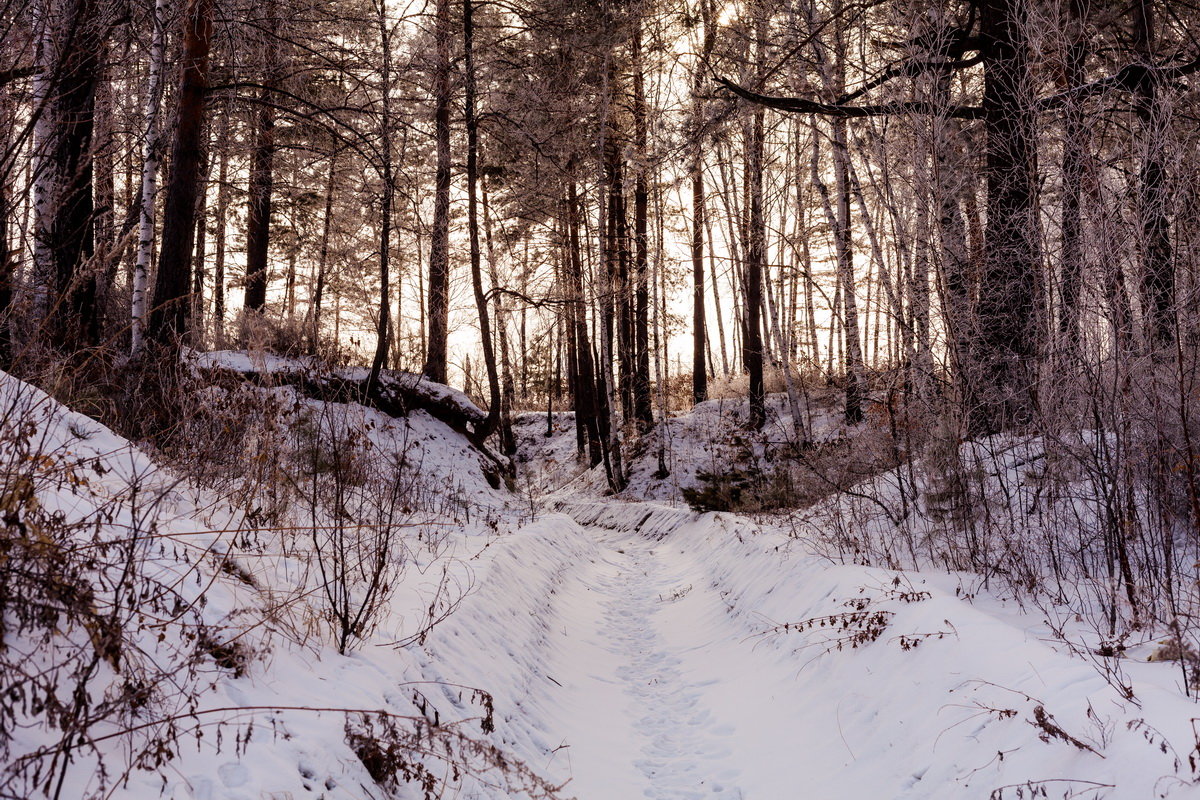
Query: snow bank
[
  {"x": 644, "y": 650},
  {"x": 225, "y": 615},
  {"x": 648, "y": 520},
  {"x": 906, "y": 687},
  {"x": 710, "y": 438},
  {"x": 628, "y": 649}
]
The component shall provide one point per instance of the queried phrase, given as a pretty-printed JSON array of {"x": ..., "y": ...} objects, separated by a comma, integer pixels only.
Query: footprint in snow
[
  {"x": 233, "y": 774},
  {"x": 684, "y": 741}
]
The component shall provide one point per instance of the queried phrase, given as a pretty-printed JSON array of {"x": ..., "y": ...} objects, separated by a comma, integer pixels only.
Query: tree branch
[
  {"x": 799, "y": 105},
  {"x": 908, "y": 69},
  {"x": 1129, "y": 79}
]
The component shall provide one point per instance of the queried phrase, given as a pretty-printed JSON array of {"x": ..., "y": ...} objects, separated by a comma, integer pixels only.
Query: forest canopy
[{"x": 981, "y": 205}]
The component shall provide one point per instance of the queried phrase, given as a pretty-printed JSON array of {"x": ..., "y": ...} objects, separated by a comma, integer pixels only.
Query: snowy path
[
  {"x": 648, "y": 661},
  {"x": 631, "y": 654}
]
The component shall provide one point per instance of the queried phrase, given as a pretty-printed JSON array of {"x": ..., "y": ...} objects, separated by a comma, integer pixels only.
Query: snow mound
[{"x": 709, "y": 439}]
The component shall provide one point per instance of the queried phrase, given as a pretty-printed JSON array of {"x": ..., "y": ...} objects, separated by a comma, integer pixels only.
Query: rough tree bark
[
  {"x": 439, "y": 250},
  {"x": 65, "y": 228},
  {"x": 169, "y": 312},
  {"x": 1002, "y": 369}
]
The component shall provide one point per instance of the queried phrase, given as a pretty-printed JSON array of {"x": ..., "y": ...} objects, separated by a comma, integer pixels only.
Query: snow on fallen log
[{"x": 395, "y": 393}]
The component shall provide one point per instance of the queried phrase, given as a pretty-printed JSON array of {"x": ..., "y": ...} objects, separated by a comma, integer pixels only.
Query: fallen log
[{"x": 396, "y": 393}]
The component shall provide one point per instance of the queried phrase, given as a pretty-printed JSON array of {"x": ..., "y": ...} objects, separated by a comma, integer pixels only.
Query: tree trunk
[
  {"x": 611, "y": 206},
  {"x": 196, "y": 330},
  {"x": 222, "y": 211},
  {"x": 6, "y": 261},
  {"x": 643, "y": 413},
  {"x": 314, "y": 330},
  {"x": 700, "y": 344},
  {"x": 587, "y": 408},
  {"x": 699, "y": 328},
  {"x": 755, "y": 248},
  {"x": 439, "y": 252},
  {"x": 1074, "y": 140},
  {"x": 107, "y": 253},
  {"x": 855, "y": 377},
  {"x": 168, "y": 316},
  {"x": 1002, "y": 373},
  {"x": 1158, "y": 272},
  {"x": 258, "y": 210},
  {"x": 151, "y": 158},
  {"x": 618, "y": 315},
  {"x": 714, "y": 272},
  {"x": 481, "y": 303},
  {"x": 69, "y": 235},
  {"x": 46, "y": 20},
  {"x": 508, "y": 444},
  {"x": 958, "y": 306},
  {"x": 387, "y": 201}
]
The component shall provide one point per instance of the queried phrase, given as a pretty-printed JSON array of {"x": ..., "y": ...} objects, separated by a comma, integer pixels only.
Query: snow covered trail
[
  {"x": 622, "y": 654},
  {"x": 627, "y": 670},
  {"x": 640, "y": 651}
]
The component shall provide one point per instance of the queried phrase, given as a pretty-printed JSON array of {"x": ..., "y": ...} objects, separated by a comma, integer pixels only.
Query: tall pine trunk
[
  {"x": 699, "y": 327},
  {"x": 643, "y": 413},
  {"x": 481, "y": 303},
  {"x": 1158, "y": 271},
  {"x": 439, "y": 251},
  {"x": 1001, "y": 376},
  {"x": 169, "y": 312},
  {"x": 587, "y": 406},
  {"x": 67, "y": 228},
  {"x": 258, "y": 211}
]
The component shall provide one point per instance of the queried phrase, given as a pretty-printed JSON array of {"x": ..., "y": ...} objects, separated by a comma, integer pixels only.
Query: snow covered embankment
[{"x": 190, "y": 653}]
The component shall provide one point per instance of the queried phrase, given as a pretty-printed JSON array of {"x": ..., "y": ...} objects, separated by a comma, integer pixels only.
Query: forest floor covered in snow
[{"x": 547, "y": 641}]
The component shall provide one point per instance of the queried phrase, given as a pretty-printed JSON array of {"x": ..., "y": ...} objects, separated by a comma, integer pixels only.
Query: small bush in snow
[{"x": 398, "y": 751}]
